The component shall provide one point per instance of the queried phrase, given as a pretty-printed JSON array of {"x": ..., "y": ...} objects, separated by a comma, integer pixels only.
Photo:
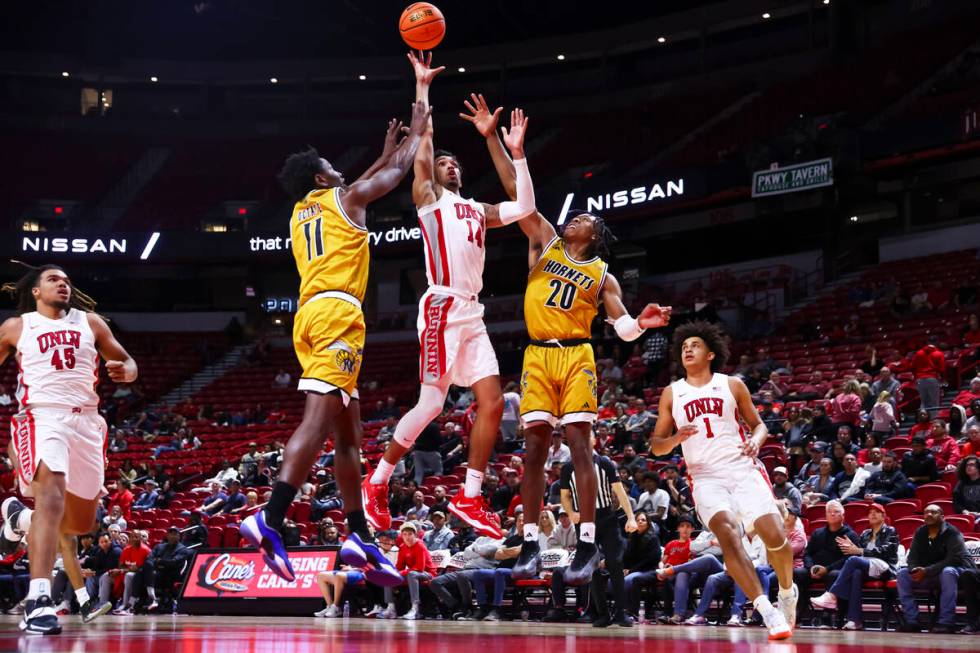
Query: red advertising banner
[{"x": 242, "y": 574}]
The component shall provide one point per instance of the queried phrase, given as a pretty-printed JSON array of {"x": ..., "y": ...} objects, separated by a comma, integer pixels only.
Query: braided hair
[
  {"x": 21, "y": 290},
  {"x": 603, "y": 236}
]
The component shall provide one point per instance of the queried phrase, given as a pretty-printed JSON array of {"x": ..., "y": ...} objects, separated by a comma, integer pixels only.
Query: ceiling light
[
  {"x": 153, "y": 79},
  {"x": 661, "y": 39},
  {"x": 64, "y": 73},
  {"x": 274, "y": 80},
  {"x": 765, "y": 15},
  {"x": 826, "y": 2},
  {"x": 561, "y": 57},
  {"x": 461, "y": 69},
  {"x": 854, "y": 218},
  {"x": 362, "y": 77}
]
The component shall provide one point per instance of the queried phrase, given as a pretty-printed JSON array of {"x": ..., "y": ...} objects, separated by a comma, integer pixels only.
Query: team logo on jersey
[
  {"x": 524, "y": 384},
  {"x": 593, "y": 386},
  {"x": 698, "y": 407}
]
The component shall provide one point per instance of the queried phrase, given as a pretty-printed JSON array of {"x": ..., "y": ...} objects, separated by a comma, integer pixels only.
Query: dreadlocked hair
[
  {"x": 603, "y": 236},
  {"x": 298, "y": 172},
  {"x": 21, "y": 290},
  {"x": 711, "y": 334}
]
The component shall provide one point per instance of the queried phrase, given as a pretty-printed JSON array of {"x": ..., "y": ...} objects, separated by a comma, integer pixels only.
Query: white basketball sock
[
  {"x": 474, "y": 484},
  {"x": 382, "y": 472}
]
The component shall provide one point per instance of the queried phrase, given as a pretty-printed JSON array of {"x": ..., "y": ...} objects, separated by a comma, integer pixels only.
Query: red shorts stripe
[
  {"x": 23, "y": 437},
  {"x": 446, "y": 280},
  {"x": 429, "y": 259}
]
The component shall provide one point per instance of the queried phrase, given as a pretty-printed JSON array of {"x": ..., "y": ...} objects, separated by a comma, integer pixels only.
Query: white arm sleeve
[{"x": 524, "y": 206}]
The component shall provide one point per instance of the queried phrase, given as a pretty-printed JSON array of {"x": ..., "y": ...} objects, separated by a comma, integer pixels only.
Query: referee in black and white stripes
[{"x": 609, "y": 535}]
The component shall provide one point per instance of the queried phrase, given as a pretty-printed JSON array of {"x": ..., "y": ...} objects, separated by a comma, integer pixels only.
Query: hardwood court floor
[{"x": 197, "y": 634}]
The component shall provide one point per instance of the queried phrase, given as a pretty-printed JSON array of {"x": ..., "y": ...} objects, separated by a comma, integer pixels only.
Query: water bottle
[
  {"x": 525, "y": 614},
  {"x": 641, "y": 616},
  {"x": 346, "y": 609}
]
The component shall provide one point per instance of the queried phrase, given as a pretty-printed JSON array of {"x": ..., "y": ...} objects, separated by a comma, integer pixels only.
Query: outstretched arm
[
  {"x": 423, "y": 188},
  {"x": 627, "y": 327},
  {"x": 393, "y": 139},
  {"x": 499, "y": 215},
  {"x": 9, "y": 336},
  {"x": 361, "y": 193},
  {"x": 121, "y": 366},
  {"x": 536, "y": 227}
]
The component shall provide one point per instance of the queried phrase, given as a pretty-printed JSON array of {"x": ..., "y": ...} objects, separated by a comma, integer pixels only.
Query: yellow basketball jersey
[
  {"x": 562, "y": 295},
  {"x": 331, "y": 251}
]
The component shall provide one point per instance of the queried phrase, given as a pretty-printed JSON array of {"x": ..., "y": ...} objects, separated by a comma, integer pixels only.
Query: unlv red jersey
[
  {"x": 716, "y": 449},
  {"x": 453, "y": 229},
  {"x": 58, "y": 362}
]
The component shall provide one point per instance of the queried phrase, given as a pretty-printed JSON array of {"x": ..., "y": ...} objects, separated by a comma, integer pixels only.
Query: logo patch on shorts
[
  {"x": 346, "y": 361},
  {"x": 593, "y": 386},
  {"x": 524, "y": 384}
]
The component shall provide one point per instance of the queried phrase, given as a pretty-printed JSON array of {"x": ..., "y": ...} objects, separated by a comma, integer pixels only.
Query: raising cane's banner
[{"x": 242, "y": 574}]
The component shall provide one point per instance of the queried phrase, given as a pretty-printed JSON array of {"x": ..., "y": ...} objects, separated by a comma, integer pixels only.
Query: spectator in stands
[
  {"x": 196, "y": 533},
  {"x": 132, "y": 562},
  {"x": 118, "y": 443},
  {"x": 815, "y": 450},
  {"x": 511, "y": 417},
  {"x": 966, "y": 494},
  {"x": 889, "y": 484},
  {"x": 929, "y": 370},
  {"x": 680, "y": 572},
  {"x": 441, "y": 535},
  {"x": 547, "y": 538},
  {"x": 148, "y": 497},
  {"x": 967, "y": 397},
  {"x": 919, "y": 464},
  {"x": 418, "y": 505},
  {"x": 936, "y": 560},
  {"x": 837, "y": 453},
  {"x": 784, "y": 490},
  {"x": 488, "y": 607},
  {"x": 640, "y": 560},
  {"x": 796, "y": 536},
  {"x": 441, "y": 503},
  {"x": 250, "y": 461},
  {"x": 115, "y": 517},
  {"x": 944, "y": 447},
  {"x": 972, "y": 445},
  {"x": 282, "y": 379},
  {"x": 558, "y": 452},
  {"x": 391, "y": 409},
  {"x": 426, "y": 459},
  {"x": 640, "y": 422},
  {"x": 765, "y": 363},
  {"x": 882, "y": 416},
  {"x": 386, "y": 432},
  {"x": 480, "y": 554},
  {"x": 922, "y": 425},
  {"x": 415, "y": 565},
  {"x": 122, "y": 497},
  {"x": 820, "y": 486},
  {"x": 874, "y": 556},
  {"x": 214, "y": 501},
  {"x": 845, "y": 436},
  {"x": 565, "y": 533},
  {"x": 815, "y": 388},
  {"x": 680, "y": 494},
  {"x": 849, "y": 484},
  {"x": 797, "y": 428},
  {"x": 328, "y": 534},
  {"x": 872, "y": 459},
  {"x": 235, "y": 501},
  {"x": 845, "y": 408},
  {"x": 97, "y": 566},
  {"x": 775, "y": 386},
  {"x": 769, "y": 415},
  {"x": 654, "y": 501},
  {"x": 887, "y": 383},
  {"x": 824, "y": 558}
]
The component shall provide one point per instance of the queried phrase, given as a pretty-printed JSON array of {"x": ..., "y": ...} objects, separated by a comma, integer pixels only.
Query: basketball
[{"x": 422, "y": 26}]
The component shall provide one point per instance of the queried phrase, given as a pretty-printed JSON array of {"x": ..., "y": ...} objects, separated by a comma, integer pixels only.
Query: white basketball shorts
[
  {"x": 69, "y": 441},
  {"x": 453, "y": 341},
  {"x": 744, "y": 492}
]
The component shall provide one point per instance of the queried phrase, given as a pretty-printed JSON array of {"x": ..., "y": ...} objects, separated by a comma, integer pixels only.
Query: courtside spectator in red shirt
[{"x": 415, "y": 565}]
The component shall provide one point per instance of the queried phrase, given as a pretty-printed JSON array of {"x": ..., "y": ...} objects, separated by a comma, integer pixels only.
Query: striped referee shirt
[{"x": 605, "y": 472}]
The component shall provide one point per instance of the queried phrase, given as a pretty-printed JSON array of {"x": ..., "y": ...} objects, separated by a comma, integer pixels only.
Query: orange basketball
[{"x": 422, "y": 26}]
